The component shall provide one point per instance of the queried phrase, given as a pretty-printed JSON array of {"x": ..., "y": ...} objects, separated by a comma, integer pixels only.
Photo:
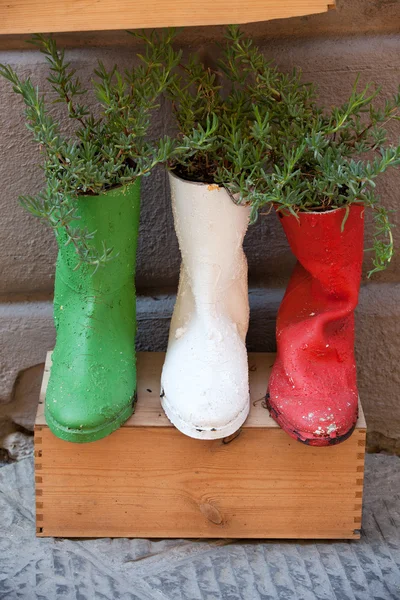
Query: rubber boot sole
[
  {"x": 304, "y": 437},
  {"x": 205, "y": 433},
  {"x": 81, "y": 436}
]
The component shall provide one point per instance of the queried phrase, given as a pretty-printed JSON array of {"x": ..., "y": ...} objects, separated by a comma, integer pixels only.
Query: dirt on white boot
[{"x": 205, "y": 382}]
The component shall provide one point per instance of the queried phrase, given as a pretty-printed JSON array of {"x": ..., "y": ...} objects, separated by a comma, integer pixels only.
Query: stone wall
[{"x": 362, "y": 36}]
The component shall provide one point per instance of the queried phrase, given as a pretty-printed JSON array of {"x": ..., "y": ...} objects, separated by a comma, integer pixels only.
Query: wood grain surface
[{"x": 30, "y": 16}]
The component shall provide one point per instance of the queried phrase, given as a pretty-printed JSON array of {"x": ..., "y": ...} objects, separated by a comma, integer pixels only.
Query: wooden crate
[
  {"x": 149, "y": 480},
  {"x": 30, "y": 16}
]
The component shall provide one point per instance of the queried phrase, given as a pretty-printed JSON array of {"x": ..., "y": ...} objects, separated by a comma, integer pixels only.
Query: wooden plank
[
  {"x": 148, "y": 411},
  {"x": 30, "y": 16},
  {"x": 155, "y": 482},
  {"x": 149, "y": 480}
]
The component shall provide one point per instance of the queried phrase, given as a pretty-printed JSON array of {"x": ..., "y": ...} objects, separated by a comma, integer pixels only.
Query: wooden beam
[{"x": 33, "y": 16}]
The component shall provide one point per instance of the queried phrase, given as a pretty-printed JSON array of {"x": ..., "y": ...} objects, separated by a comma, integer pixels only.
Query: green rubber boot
[{"x": 92, "y": 385}]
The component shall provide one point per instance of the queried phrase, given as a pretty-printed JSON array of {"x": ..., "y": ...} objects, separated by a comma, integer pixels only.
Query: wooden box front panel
[
  {"x": 31, "y": 16},
  {"x": 149, "y": 480}
]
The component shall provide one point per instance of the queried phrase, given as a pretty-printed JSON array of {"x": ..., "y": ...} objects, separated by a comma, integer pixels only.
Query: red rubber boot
[{"x": 313, "y": 386}]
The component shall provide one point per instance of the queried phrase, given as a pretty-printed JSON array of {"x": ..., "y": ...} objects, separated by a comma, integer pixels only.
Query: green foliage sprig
[
  {"x": 109, "y": 147},
  {"x": 244, "y": 95},
  {"x": 331, "y": 159},
  {"x": 275, "y": 146}
]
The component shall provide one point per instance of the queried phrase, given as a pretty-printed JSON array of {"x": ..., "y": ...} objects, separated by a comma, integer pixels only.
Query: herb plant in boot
[
  {"x": 321, "y": 181},
  {"x": 205, "y": 386},
  {"x": 91, "y": 201}
]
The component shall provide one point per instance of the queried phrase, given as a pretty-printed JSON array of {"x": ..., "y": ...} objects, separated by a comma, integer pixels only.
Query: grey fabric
[{"x": 105, "y": 569}]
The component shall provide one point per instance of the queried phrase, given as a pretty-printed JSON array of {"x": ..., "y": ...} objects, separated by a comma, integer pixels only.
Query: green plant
[
  {"x": 109, "y": 146},
  {"x": 275, "y": 146},
  {"x": 243, "y": 96},
  {"x": 330, "y": 159}
]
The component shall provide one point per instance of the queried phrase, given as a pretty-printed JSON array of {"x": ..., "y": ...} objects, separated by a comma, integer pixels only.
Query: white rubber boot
[{"x": 205, "y": 382}]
